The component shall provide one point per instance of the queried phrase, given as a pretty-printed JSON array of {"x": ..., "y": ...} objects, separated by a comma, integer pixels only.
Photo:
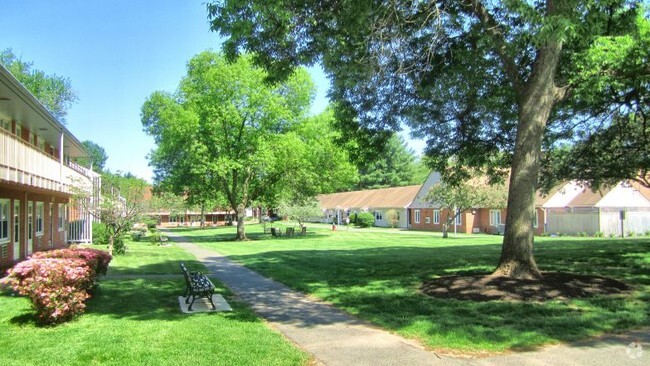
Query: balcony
[{"x": 22, "y": 163}]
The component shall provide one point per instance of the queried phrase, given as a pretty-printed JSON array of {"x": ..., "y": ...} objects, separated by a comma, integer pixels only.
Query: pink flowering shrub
[
  {"x": 96, "y": 259},
  {"x": 57, "y": 282}
]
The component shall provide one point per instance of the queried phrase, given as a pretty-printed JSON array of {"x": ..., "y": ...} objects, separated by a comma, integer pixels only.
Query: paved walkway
[{"x": 335, "y": 338}]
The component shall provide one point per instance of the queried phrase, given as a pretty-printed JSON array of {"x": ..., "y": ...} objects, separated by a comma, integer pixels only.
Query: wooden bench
[{"x": 197, "y": 285}]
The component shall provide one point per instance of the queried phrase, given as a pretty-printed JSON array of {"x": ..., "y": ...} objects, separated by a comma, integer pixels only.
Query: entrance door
[
  {"x": 30, "y": 228},
  {"x": 16, "y": 230}
]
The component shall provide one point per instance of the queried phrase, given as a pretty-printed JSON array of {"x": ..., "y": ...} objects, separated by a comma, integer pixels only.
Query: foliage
[
  {"x": 394, "y": 167},
  {"x": 300, "y": 210},
  {"x": 458, "y": 198},
  {"x": 97, "y": 157},
  {"x": 227, "y": 135},
  {"x": 393, "y": 217},
  {"x": 121, "y": 203},
  {"x": 97, "y": 260},
  {"x": 487, "y": 84},
  {"x": 57, "y": 282},
  {"x": 53, "y": 91},
  {"x": 364, "y": 219}
]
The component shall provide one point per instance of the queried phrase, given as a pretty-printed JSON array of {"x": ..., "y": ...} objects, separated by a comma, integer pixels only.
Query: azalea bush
[{"x": 58, "y": 281}]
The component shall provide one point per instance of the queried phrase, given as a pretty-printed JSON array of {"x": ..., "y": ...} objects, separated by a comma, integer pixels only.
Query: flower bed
[{"x": 58, "y": 281}]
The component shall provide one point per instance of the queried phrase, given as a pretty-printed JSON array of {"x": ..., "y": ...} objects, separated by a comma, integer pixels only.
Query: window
[
  {"x": 19, "y": 131},
  {"x": 427, "y": 220},
  {"x": 458, "y": 217},
  {"x": 4, "y": 220},
  {"x": 39, "y": 218},
  {"x": 30, "y": 220},
  {"x": 379, "y": 216},
  {"x": 416, "y": 217},
  {"x": 535, "y": 219},
  {"x": 436, "y": 217},
  {"x": 16, "y": 221},
  {"x": 495, "y": 217},
  {"x": 6, "y": 125},
  {"x": 62, "y": 216},
  {"x": 32, "y": 138}
]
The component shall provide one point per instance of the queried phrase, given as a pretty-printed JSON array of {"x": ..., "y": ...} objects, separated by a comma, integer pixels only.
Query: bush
[
  {"x": 599, "y": 234},
  {"x": 365, "y": 219},
  {"x": 100, "y": 233},
  {"x": 57, "y": 282},
  {"x": 97, "y": 260}
]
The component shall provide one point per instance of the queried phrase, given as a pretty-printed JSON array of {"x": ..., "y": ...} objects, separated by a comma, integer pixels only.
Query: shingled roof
[{"x": 396, "y": 197}]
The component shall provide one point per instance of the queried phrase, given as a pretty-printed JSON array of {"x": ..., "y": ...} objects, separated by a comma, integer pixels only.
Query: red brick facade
[{"x": 471, "y": 221}]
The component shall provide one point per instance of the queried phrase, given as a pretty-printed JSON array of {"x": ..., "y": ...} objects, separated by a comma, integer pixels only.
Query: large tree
[
  {"x": 227, "y": 134},
  {"x": 53, "y": 91},
  {"x": 486, "y": 83}
]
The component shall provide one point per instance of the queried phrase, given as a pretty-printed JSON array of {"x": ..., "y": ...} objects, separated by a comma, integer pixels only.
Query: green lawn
[
  {"x": 376, "y": 276},
  {"x": 138, "y": 322}
]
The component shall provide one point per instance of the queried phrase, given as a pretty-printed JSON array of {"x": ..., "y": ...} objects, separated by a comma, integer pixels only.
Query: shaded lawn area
[
  {"x": 377, "y": 276},
  {"x": 138, "y": 322}
]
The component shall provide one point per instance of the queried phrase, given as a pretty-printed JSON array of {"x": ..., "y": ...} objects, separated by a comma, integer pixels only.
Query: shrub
[
  {"x": 57, "y": 282},
  {"x": 582, "y": 234},
  {"x": 599, "y": 234},
  {"x": 100, "y": 233},
  {"x": 647, "y": 233},
  {"x": 631, "y": 234},
  {"x": 365, "y": 219},
  {"x": 97, "y": 260}
]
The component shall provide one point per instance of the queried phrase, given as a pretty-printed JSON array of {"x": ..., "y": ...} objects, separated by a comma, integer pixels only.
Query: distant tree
[
  {"x": 300, "y": 210},
  {"x": 226, "y": 133},
  {"x": 394, "y": 167},
  {"x": 460, "y": 197},
  {"x": 121, "y": 203},
  {"x": 53, "y": 91},
  {"x": 167, "y": 202},
  {"x": 97, "y": 157},
  {"x": 393, "y": 217}
]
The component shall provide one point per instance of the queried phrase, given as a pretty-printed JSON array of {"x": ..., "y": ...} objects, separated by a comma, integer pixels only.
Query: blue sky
[{"x": 116, "y": 53}]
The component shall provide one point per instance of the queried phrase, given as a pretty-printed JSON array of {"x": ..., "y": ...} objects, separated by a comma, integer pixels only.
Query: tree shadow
[{"x": 382, "y": 285}]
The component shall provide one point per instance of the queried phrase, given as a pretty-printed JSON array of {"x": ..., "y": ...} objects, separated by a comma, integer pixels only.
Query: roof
[
  {"x": 645, "y": 191},
  {"x": 396, "y": 197},
  {"x": 588, "y": 197},
  {"x": 18, "y": 104}
]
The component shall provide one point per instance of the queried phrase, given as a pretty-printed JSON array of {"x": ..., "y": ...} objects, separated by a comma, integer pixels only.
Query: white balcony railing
[{"x": 23, "y": 164}]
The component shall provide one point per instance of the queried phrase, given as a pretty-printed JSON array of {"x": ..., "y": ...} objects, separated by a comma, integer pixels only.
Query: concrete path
[{"x": 335, "y": 338}]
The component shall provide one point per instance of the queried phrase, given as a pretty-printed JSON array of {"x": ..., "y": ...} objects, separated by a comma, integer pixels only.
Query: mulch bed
[{"x": 554, "y": 286}]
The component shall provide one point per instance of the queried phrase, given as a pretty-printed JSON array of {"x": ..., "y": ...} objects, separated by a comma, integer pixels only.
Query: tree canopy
[
  {"x": 396, "y": 166},
  {"x": 227, "y": 136},
  {"x": 487, "y": 84},
  {"x": 53, "y": 91},
  {"x": 97, "y": 157}
]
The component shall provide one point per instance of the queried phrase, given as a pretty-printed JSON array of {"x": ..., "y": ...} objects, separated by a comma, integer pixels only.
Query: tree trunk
[
  {"x": 111, "y": 239},
  {"x": 202, "y": 215},
  {"x": 239, "y": 213},
  {"x": 535, "y": 105}
]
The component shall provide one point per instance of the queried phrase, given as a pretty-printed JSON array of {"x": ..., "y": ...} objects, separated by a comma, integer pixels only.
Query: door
[
  {"x": 16, "y": 230},
  {"x": 30, "y": 228}
]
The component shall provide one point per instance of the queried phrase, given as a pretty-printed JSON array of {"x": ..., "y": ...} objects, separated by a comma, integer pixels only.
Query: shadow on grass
[
  {"x": 143, "y": 299},
  {"x": 381, "y": 285}
]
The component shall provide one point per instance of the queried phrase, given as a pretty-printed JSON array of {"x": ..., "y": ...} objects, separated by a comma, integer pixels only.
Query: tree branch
[{"x": 500, "y": 45}]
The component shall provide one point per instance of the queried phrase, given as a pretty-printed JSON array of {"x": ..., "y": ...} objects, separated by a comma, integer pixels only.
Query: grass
[
  {"x": 138, "y": 321},
  {"x": 376, "y": 275}
]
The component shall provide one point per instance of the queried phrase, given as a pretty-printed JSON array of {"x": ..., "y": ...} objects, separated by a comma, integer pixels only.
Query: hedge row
[{"x": 58, "y": 281}]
